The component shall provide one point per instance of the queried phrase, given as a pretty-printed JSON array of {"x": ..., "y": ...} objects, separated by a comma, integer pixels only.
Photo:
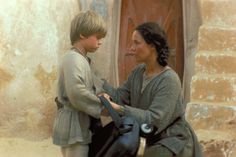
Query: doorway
[{"x": 168, "y": 14}]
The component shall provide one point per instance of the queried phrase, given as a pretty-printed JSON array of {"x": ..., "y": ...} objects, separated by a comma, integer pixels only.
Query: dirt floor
[{"x": 15, "y": 147}]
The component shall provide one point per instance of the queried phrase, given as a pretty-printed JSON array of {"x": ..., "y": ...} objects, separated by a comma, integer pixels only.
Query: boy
[{"x": 76, "y": 90}]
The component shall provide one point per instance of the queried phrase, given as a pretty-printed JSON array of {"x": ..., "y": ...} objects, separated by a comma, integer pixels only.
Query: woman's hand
[
  {"x": 108, "y": 97},
  {"x": 114, "y": 105}
]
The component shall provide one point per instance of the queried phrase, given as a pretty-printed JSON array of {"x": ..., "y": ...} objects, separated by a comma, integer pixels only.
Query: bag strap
[
  {"x": 156, "y": 137},
  {"x": 114, "y": 114}
]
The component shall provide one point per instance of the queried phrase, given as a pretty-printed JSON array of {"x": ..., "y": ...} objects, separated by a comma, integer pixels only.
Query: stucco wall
[
  {"x": 33, "y": 34},
  {"x": 33, "y": 37},
  {"x": 212, "y": 110}
]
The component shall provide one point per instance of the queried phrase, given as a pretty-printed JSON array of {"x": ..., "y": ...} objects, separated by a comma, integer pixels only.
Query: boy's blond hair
[{"x": 86, "y": 24}]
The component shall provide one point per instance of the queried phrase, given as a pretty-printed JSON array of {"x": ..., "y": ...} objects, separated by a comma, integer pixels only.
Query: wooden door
[{"x": 168, "y": 13}]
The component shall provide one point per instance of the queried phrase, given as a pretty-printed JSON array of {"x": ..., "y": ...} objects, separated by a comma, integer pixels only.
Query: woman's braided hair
[{"x": 153, "y": 34}]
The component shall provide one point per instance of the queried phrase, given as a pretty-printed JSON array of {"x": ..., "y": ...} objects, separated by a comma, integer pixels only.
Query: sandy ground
[
  {"x": 18, "y": 147},
  {"x": 15, "y": 147}
]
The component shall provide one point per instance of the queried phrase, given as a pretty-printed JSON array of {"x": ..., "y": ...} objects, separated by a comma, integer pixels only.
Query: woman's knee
[{"x": 158, "y": 151}]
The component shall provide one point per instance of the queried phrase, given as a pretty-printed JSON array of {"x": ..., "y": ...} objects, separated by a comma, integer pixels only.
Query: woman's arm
[
  {"x": 162, "y": 107},
  {"x": 121, "y": 95}
]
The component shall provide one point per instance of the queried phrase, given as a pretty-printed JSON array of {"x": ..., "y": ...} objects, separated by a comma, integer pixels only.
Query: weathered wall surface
[
  {"x": 33, "y": 37},
  {"x": 33, "y": 34},
  {"x": 212, "y": 110}
]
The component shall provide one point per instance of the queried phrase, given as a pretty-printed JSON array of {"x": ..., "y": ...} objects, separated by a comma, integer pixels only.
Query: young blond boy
[{"x": 76, "y": 90}]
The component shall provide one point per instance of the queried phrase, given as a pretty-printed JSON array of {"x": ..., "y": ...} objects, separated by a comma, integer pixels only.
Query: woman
[{"x": 152, "y": 94}]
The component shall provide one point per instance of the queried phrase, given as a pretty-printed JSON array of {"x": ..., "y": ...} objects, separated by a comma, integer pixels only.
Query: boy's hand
[{"x": 106, "y": 96}]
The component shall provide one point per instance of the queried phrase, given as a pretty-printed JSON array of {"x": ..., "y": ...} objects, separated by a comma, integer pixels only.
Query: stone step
[
  {"x": 213, "y": 62},
  {"x": 213, "y": 88},
  {"x": 213, "y": 116},
  {"x": 216, "y": 38},
  {"x": 213, "y": 146},
  {"x": 219, "y": 148},
  {"x": 218, "y": 12},
  {"x": 215, "y": 126}
]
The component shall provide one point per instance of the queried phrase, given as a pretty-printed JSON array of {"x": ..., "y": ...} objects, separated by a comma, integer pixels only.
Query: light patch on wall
[
  {"x": 100, "y": 6},
  {"x": 45, "y": 78},
  {"x": 4, "y": 13},
  {"x": 33, "y": 116},
  {"x": 211, "y": 96},
  {"x": 198, "y": 114},
  {"x": 219, "y": 89},
  {"x": 17, "y": 52}
]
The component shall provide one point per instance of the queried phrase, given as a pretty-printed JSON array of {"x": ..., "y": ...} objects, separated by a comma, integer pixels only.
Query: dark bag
[
  {"x": 120, "y": 138},
  {"x": 95, "y": 125}
]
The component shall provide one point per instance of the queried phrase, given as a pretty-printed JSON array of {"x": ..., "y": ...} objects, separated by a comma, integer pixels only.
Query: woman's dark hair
[{"x": 153, "y": 34}]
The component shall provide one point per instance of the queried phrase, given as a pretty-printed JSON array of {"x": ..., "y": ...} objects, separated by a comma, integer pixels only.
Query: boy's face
[{"x": 91, "y": 43}]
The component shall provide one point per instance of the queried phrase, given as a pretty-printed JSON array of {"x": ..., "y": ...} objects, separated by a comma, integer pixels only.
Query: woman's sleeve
[
  {"x": 120, "y": 95},
  {"x": 80, "y": 97},
  {"x": 163, "y": 105}
]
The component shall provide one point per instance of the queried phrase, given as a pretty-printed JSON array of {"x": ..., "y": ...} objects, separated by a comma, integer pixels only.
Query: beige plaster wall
[
  {"x": 33, "y": 37},
  {"x": 211, "y": 110},
  {"x": 33, "y": 34}
]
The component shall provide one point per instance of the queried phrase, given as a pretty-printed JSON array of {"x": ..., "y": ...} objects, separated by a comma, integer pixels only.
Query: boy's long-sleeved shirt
[{"x": 76, "y": 92}]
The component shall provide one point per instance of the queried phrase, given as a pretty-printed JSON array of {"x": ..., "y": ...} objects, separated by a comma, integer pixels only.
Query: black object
[
  {"x": 155, "y": 136},
  {"x": 59, "y": 105},
  {"x": 120, "y": 138},
  {"x": 95, "y": 125}
]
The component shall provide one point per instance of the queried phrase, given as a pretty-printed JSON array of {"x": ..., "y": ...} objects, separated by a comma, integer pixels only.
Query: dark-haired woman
[{"x": 152, "y": 94}]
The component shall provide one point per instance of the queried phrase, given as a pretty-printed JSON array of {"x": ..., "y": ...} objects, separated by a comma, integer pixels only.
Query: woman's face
[{"x": 140, "y": 49}]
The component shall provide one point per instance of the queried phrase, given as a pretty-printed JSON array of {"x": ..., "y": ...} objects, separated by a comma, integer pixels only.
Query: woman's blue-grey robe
[{"x": 160, "y": 104}]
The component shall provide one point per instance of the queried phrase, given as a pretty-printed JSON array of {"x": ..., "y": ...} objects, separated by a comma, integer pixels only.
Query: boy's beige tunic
[{"x": 76, "y": 91}]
